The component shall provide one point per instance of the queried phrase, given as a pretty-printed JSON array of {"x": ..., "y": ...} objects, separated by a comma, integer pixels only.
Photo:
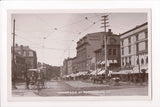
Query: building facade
[
  {"x": 64, "y": 68},
  {"x": 29, "y": 55},
  {"x": 113, "y": 52},
  {"x": 74, "y": 65},
  {"x": 20, "y": 66},
  {"x": 85, "y": 50},
  {"x": 134, "y": 48},
  {"x": 68, "y": 66}
]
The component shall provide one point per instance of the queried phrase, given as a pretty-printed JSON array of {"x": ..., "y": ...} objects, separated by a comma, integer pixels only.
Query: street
[{"x": 81, "y": 88}]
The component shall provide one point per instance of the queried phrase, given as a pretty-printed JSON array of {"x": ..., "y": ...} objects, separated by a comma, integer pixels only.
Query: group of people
[{"x": 35, "y": 79}]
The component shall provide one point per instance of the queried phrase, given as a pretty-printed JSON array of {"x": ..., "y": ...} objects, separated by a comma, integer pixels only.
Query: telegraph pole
[
  {"x": 105, "y": 25},
  {"x": 13, "y": 60}
]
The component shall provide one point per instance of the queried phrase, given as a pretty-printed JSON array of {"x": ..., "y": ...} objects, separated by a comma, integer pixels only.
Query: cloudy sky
[{"x": 54, "y": 36}]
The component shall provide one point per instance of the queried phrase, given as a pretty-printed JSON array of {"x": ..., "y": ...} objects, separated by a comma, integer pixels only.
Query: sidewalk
[
  {"x": 21, "y": 91},
  {"x": 80, "y": 84},
  {"x": 124, "y": 89}
]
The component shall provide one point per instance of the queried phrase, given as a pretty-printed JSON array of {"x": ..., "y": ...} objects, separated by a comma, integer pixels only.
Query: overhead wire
[{"x": 58, "y": 29}]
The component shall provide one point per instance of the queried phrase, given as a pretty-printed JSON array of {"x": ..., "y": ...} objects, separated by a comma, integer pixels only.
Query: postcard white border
[{"x": 96, "y": 5}]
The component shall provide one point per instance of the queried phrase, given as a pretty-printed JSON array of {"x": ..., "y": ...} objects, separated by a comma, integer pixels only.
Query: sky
[{"x": 54, "y": 36}]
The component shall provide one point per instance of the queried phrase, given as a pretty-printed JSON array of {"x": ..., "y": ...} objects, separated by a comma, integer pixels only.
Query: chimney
[
  {"x": 109, "y": 32},
  {"x": 21, "y": 48}
]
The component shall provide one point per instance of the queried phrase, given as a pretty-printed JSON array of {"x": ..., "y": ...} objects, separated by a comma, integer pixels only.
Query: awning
[
  {"x": 103, "y": 62},
  {"x": 123, "y": 72},
  {"x": 101, "y": 72},
  {"x": 72, "y": 75},
  {"x": 112, "y": 61},
  {"x": 93, "y": 72}
]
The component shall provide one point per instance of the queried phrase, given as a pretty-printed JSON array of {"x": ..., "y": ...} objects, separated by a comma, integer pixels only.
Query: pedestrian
[{"x": 27, "y": 79}]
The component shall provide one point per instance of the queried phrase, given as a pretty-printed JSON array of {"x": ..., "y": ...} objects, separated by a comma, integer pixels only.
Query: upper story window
[
  {"x": 110, "y": 52},
  {"x": 129, "y": 60},
  {"x": 123, "y": 61},
  {"x": 122, "y": 42},
  {"x": 137, "y": 47},
  {"x": 30, "y": 53},
  {"x": 142, "y": 61},
  {"x": 129, "y": 40},
  {"x": 114, "y": 51},
  {"x": 137, "y": 61},
  {"x": 147, "y": 60},
  {"x": 126, "y": 61},
  {"x": 136, "y": 37},
  {"x": 146, "y": 34},
  {"x": 129, "y": 49},
  {"x": 122, "y": 51},
  {"x": 112, "y": 41},
  {"x": 146, "y": 45},
  {"x": 24, "y": 53}
]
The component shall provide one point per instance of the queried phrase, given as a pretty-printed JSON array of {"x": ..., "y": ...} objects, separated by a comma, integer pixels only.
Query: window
[
  {"x": 129, "y": 49},
  {"x": 146, "y": 33},
  {"x": 122, "y": 42},
  {"x": 137, "y": 47},
  {"x": 137, "y": 61},
  {"x": 129, "y": 40},
  {"x": 137, "y": 37},
  {"x": 30, "y": 53},
  {"x": 142, "y": 61},
  {"x": 122, "y": 51},
  {"x": 123, "y": 61},
  {"x": 147, "y": 60},
  {"x": 126, "y": 61},
  {"x": 129, "y": 60},
  {"x": 114, "y": 51},
  {"x": 27, "y": 53},
  {"x": 110, "y": 51},
  {"x": 146, "y": 45}
]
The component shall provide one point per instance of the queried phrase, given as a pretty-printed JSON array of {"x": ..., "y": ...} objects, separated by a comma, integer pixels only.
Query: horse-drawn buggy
[{"x": 35, "y": 79}]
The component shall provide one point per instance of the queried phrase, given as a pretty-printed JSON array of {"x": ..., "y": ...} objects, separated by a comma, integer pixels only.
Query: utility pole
[
  {"x": 13, "y": 59},
  {"x": 105, "y": 25}
]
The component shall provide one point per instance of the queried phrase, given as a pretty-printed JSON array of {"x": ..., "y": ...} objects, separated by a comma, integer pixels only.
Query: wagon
[{"x": 36, "y": 78}]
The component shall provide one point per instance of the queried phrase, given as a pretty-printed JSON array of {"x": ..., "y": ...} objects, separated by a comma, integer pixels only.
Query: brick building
[
  {"x": 85, "y": 50},
  {"x": 113, "y": 52},
  {"x": 28, "y": 54},
  {"x": 68, "y": 66}
]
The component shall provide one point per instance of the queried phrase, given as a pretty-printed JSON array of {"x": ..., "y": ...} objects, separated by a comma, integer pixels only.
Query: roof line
[{"x": 134, "y": 28}]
